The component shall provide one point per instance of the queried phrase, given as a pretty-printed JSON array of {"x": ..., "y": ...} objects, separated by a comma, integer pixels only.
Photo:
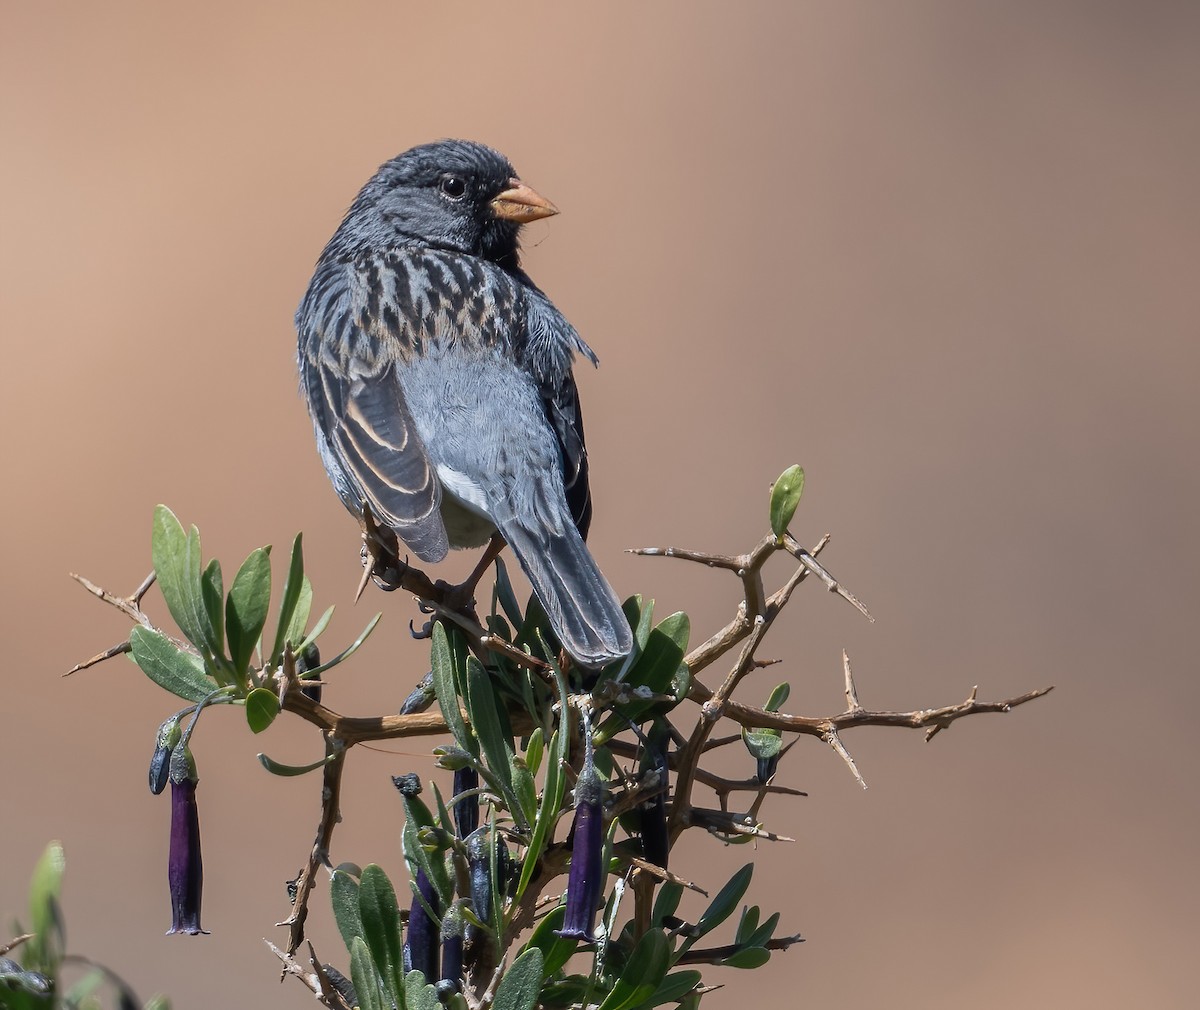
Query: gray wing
[{"x": 367, "y": 436}]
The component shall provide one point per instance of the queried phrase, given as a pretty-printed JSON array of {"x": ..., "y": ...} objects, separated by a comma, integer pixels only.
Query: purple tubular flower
[
  {"x": 466, "y": 812},
  {"x": 185, "y": 869},
  {"x": 585, "y": 880},
  {"x": 421, "y": 943}
]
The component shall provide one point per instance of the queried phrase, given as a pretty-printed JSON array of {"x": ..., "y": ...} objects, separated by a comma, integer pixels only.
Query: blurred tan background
[{"x": 942, "y": 254}]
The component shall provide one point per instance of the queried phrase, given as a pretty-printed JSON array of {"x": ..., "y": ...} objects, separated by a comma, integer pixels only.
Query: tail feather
[{"x": 582, "y": 607}]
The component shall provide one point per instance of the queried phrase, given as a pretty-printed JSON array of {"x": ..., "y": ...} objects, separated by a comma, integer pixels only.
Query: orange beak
[{"x": 521, "y": 204}]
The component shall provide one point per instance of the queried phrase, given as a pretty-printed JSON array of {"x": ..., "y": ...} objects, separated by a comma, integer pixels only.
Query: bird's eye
[{"x": 453, "y": 186}]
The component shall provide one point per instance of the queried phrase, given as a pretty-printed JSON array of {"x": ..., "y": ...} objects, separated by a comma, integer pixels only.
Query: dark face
[{"x": 452, "y": 194}]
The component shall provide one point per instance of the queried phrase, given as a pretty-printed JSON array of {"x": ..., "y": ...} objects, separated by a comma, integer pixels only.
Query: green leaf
[
  {"x": 785, "y": 496},
  {"x": 534, "y": 749},
  {"x": 444, "y": 686},
  {"x": 158, "y": 1002},
  {"x": 521, "y": 984},
  {"x": 294, "y": 632},
  {"x": 293, "y": 586},
  {"x": 177, "y": 568},
  {"x": 318, "y": 628},
  {"x": 262, "y": 706},
  {"x": 381, "y": 928},
  {"x": 724, "y": 903},
  {"x": 291, "y": 771},
  {"x": 168, "y": 666},
  {"x": 482, "y": 706},
  {"x": 764, "y": 932},
  {"x": 46, "y": 948},
  {"x": 552, "y": 792},
  {"x": 347, "y": 652},
  {"x": 778, "y": 696},
  {"x": 667, "y": 902},
  {"x": 343, "y": 894},
  {"x": 674, "y": 987},
  {"x": 368, "y": 983},
  {"x": 212, "y": 591},
  {"x": 417, "y": 816},
  {"x": 419, "y": 993},
  {"x": 751, "y": 957},
  {"x": 643, "y": 973},
  {"x": 246, "y": 608},
  {"x": 747, "y": 924},
  {"x": 556, "y": 950},
  {"x": 525, "y": 789}
]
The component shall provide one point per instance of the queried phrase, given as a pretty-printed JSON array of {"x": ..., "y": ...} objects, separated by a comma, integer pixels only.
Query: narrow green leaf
[
  {"x": 381, "y": 928},
  {"x": 444, "y": 686},
  {"x": 368, "y": 983},
  {"x": 764, "y": 932},
  {"x": 778, "y": 697},
  {"x": 556, "y": 950},
  {"x": 317, "y": 630},
  {"x": 552, "y": 792},
  {"x": 347, "y": 652},
  {"x": 497, "y": 746},
  {"x": 725, "y": 902},
  {"x": 176, "y": 557},
  {"x": 674, "y": 987},
  {"x": 533, "y": 751},
  {"x": 525, "y": 789},
  {"x": 291, "y": 771},
  {"x": 343, "y": 893},
  {"x": 262, "y": 706},
  {"x": 292, "y": 587},
  {"x": 212, "y": 591},
  {"x": 643, "y": 973},
  {"x": 168, "y": 666},
  {"x": 294, "y": 632},
  {"x": 667, "y": 902},
  {"x": 747, "y": 924},
  {"x": 751, "y": 957},
  {"x": 785, "y": 496},
  {"x": 246, "y": 608},
  {"x": 521, "y": 984}
]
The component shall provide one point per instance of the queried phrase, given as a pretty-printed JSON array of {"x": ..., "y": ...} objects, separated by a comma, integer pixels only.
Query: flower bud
[
  {"x": 160, "y": 763},
  {"x": 420, "y": 698},
  {"x": 466, "y": 811},
  {"x": 185, "y": 868}
]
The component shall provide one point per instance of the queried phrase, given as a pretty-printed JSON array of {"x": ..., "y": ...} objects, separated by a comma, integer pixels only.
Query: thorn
[{"x": 851, "y": 692}]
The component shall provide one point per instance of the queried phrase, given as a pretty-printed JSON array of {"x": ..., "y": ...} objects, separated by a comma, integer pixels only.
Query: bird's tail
[{"x": 582, "y": 607}]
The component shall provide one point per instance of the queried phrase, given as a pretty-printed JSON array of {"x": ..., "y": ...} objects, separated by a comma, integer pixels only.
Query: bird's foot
[{"x": 380, "y": 555}]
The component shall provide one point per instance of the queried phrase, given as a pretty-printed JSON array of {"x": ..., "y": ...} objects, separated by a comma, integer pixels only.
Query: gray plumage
[{"x": 439, "y": 381}]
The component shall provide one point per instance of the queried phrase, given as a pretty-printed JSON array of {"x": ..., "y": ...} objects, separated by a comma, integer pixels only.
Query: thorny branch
[{"x": 752, "y": 620}]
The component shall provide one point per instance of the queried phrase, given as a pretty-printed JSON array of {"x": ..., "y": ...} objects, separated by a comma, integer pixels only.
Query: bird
[{"x": 439, "y": 381}]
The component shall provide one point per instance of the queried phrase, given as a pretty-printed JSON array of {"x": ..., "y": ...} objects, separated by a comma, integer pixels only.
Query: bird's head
[{"x": 451, "y": 194}]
